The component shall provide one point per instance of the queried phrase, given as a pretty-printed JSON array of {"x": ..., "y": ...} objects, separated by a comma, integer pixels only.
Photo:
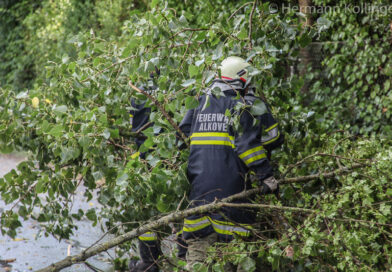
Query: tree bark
[{"x": 176, "y": 216}]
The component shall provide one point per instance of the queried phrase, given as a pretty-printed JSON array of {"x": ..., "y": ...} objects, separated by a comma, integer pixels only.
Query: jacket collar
[
  {"x": 227, "y": 86},
  {"x": 230, "y": 86}
]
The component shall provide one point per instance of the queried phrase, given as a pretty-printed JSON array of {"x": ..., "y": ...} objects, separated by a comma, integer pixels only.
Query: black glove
[{"x": 270, "y": 186}]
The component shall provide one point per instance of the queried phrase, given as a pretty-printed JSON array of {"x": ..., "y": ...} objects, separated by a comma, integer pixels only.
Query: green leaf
[
  {"x": 191, "y": 103},
  {"x": 199, "y": 62},
  {"x": 162, "y": 205},
  {"x": 133, "y": 43},
  {"x": 188, "y": 82},
  {"x": 40, "y": 187},
  {"x": 218, "y": 52},
  {"x": 248, "y": 264},
  {"x": 21, "y": 95},
  {"x": 91, "y": 215},
  {"x": 243, "y": 34},
  {"x": 387, "y": 85},
  {"x": 60, "y": 109},
  {"x": 84, "y": 141},
  {"x": 323, "y": 23},
  {"x": 106, "y": 133},
  {"x": 193, "y": 70},
  {"x": 56, "y": 131},
  {"x": 258, "y": 108},
  {"x": 69, "y": 153},
  {"x": 154, "y": 3}
]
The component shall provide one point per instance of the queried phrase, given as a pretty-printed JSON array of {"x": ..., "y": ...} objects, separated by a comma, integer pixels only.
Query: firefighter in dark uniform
[
  {"x": 149, "y": 245},
  {"x": 221, "y": 158}
]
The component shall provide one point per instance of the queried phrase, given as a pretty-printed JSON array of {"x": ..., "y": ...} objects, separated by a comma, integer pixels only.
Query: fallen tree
[{"x": 176, "y": 216}]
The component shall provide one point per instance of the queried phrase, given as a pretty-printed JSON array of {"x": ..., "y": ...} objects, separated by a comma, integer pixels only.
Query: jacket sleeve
[
  {"x": 186, "y": 123},
  {"x": 271, "y": 137},
  {"x": 185, "y": 126},
  {"x": 249, "y": 146}
]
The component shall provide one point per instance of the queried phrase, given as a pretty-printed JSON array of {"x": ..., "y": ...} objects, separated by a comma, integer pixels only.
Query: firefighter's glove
[{"x": 270, "y": 186}]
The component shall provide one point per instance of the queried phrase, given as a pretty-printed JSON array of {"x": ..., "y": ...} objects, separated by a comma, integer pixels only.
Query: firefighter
[
  {"x": 149, "y": 244},
  {"x": 221, "y": 157}
]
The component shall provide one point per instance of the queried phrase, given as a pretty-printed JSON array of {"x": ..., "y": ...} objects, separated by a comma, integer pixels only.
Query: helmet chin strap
[{"x": 246, "y": 86}]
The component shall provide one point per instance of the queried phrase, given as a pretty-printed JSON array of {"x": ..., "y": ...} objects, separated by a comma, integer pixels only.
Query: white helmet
[{"x": 234, "y": 68}]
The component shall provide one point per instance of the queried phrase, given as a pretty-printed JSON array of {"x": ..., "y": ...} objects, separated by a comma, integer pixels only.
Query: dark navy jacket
[
  {"x": 139, "y": 116},
  {"x": 221, "y": 156}
]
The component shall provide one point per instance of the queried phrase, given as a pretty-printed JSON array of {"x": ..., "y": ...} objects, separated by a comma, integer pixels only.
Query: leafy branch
[
  {"x": 179, "y": 215},
  {"x": 162, "y": 109}
]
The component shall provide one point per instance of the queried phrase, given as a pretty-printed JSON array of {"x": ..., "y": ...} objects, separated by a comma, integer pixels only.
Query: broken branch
[{"x": 176, "y": 216}]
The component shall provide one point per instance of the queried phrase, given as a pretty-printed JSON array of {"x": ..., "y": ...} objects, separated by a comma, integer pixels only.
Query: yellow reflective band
[
  {"x": 135, "y": 155},
  {"x": 231, "y": 224},
  {"x": 130, "y": 115},
  {"x": 228, "y": 228},
  {"x": 196, "y": 224},
  {"x": 199, "y": 227},
  {"x": 272, "y": 140},
  {"x": 212, "y": 134},
  {"x": 148, "y": 236},
  {"x": 195, "y": 221},
  {"x": 250, "y": 151},
  {"x": 253, "y": 159},
  {"x": 221, "y": 227},
  {"x": 212, "y": 142},
  {"x": 271, "y": 127},
  {"x": 229, "y": 232}
]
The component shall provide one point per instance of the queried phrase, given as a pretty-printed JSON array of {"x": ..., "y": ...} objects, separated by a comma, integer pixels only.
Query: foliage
[
  {"x": 74, "y": 121},
  {"x": 355, "y": 78},
  {"x": 37, "y": 32}
]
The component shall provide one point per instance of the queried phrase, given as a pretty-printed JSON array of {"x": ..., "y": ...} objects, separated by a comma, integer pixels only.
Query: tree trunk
[{"x": 305, "y": 7}]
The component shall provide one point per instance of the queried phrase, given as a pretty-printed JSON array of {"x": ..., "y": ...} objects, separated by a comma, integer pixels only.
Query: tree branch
[
  {"x": 235, "y": 12},
  {"x": 295, "y": 209},
  {"x": 250, "y": 25},
  {"x": 176, "y": 216}
]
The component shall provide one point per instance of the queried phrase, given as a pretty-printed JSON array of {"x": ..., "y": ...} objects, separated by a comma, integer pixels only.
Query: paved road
[{"x": 32, "y": 252}]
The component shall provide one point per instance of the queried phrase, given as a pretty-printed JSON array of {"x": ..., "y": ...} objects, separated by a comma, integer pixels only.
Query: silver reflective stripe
[
  {"x": 273, "y": 133},
  {"x": 212, "y": 138},
  {"x": 205, "y": 221},
  {"x": 253, "y": 155},
  {"x": 230, "y": 230},
  {"x": 149, "y": 234}
]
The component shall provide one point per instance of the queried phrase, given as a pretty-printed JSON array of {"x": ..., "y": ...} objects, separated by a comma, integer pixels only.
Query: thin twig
[
  {"x": 186, "y": 50},
  {"x": 189, "y": 29},
  {"x": 121, "y": 146},
  {"x": 235, "y": 12},
  {"x": 143, "y": 128},
  {"x": 107, "y": 68},
  {"x": 93, "y": 268},
  {"x": 291, "y": 167},
  {"x": 250, "y": 25},
  {"x": 295, "y": 209}
]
